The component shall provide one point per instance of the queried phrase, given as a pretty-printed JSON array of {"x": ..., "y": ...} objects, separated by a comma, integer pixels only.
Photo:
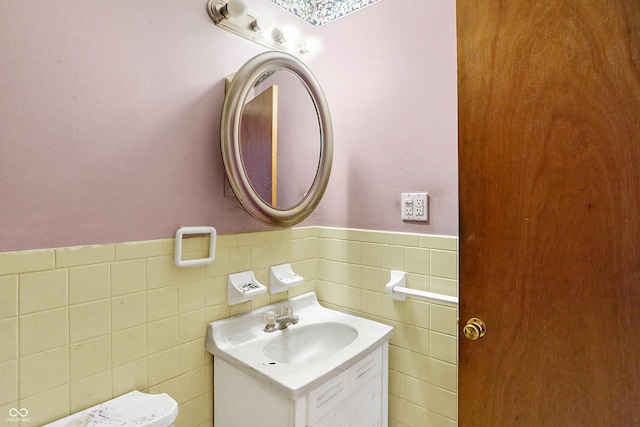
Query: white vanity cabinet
[
  {"x": 354, "y": 397},
  {"x": 329, "y": 369}
]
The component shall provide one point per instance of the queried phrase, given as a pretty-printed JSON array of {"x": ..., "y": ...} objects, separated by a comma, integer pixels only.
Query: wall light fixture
[{"x": 233, "y": 16}]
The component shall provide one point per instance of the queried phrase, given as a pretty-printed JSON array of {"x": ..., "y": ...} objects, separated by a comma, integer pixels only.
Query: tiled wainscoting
[{"x": 81, "y": 325}]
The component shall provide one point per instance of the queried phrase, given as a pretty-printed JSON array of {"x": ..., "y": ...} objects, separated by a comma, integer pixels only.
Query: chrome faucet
[{"x": 276, "y": 322}]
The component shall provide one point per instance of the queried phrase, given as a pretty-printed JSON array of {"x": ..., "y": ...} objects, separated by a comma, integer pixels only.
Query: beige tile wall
[{"x": 82, "y": 325}]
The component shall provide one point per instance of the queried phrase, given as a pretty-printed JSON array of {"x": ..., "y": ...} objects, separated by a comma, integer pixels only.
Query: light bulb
[
  {"x": 310, "y": 45},
  {"x": 234, "y": 9},
  {"x": 287, "y": 35},
  {"x": 264, "y": 22},
  {"x": 280, "y": 36}
]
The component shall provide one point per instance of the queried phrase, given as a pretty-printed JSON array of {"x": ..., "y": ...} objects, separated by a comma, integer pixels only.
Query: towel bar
[{"x": 397, "y": 288}]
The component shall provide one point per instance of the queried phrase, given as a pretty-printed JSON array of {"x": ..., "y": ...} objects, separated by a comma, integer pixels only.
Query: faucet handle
[
  {"x": 270, "y": 318},
  {"x": 286, "y": 311}
]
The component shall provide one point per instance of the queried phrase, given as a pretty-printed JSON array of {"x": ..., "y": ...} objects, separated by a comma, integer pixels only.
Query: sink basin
[
  {"x": 309, "y": 343},
  {"x": 294, "y": 360}
]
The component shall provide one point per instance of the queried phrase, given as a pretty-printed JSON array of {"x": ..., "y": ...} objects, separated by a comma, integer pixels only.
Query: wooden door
[
  {"x": 259, "y": 143},
  {"x": 549, "y": 146}
]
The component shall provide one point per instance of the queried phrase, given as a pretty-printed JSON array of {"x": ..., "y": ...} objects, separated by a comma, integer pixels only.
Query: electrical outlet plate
[{"x": 415, "y": 206}]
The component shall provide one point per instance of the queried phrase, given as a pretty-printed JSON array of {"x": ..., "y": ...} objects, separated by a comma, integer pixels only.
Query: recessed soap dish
[
  {"x": 282, "y": 277},
  {"x": 242, "y": 287}
]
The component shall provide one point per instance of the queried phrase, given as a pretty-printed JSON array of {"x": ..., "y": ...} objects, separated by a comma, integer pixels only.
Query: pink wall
[
  {"x": 391, "y": 82},
  {"x": 110, "y": 112}
]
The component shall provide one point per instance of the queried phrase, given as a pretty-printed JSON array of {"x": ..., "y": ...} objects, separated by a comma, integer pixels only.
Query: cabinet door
[
  {"x": 338, "y": 417},
  {"x": 360, "y": 409},
  {"x": 324, "y": 399},
  {"x": 365, "y": 404}
]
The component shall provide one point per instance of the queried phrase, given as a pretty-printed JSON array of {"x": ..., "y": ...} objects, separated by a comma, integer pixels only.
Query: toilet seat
[{"x": 134, "y": 409}]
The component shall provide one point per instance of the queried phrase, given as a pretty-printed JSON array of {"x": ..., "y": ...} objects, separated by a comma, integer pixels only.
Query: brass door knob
[{"x": 474, "y": 329}]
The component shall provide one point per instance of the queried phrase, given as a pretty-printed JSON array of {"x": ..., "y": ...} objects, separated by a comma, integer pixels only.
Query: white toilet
[{"x": 134, "y": 409}]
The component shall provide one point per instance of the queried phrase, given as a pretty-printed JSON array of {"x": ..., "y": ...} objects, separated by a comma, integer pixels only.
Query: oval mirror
[{"x": 277, "y": 138}]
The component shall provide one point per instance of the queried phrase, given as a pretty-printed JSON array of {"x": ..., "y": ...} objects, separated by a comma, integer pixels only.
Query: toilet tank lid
[{"x": 134, "y": 409}]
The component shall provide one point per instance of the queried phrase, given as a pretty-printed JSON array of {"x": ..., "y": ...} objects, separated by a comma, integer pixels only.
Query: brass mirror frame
[{"x": 235, "y": 98}]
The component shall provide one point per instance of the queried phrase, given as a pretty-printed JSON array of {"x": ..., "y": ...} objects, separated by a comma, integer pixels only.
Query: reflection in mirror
[
  {"x": 259, "y": 143},
  {"x": 280, "y": 139}
]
